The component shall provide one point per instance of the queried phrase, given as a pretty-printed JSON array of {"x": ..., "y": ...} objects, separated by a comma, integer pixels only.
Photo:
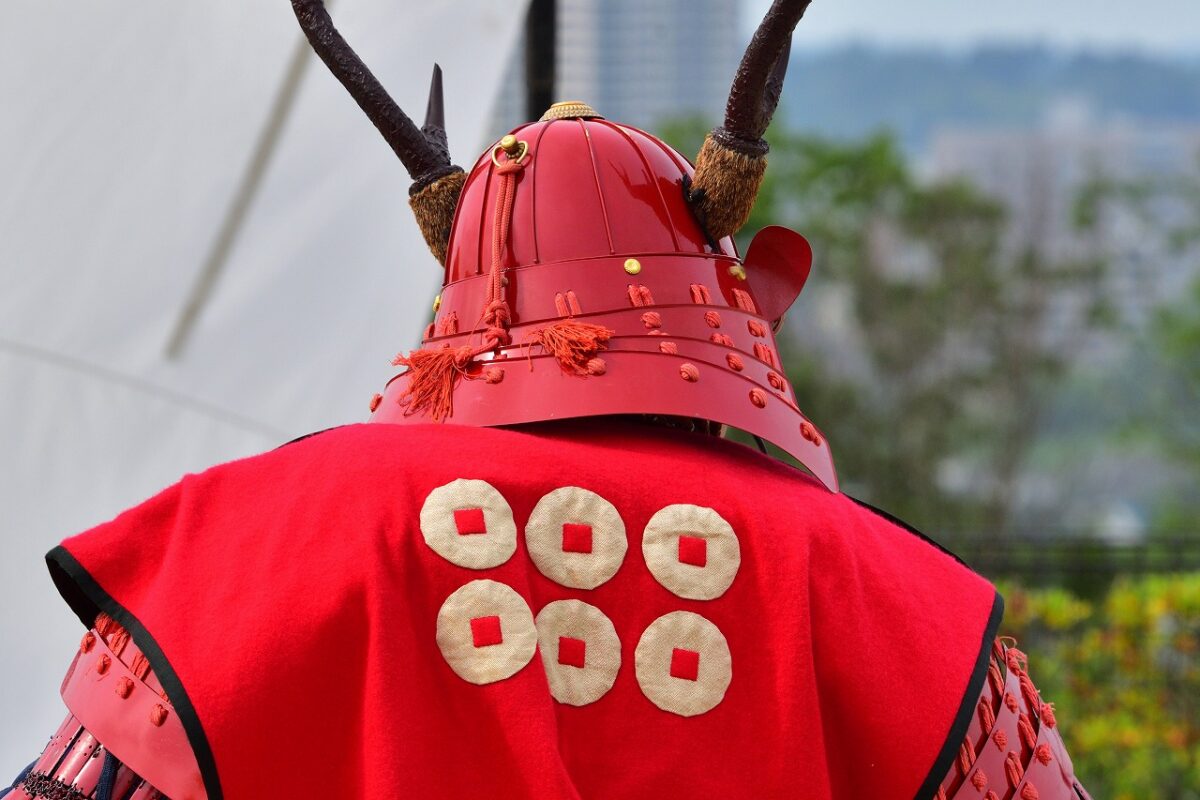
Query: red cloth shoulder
[{"x": 355, "y": 613}]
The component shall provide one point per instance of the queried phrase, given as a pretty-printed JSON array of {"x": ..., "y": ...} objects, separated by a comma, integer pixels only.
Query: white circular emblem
[
  {"x": 683, "y": 664},
  {"x": 576, "y": 538},
  {"x": 469, "y": 523},
  {"x": 580, "y": 650},
  {"x": 485, "y": 631},
  {"x": 692, "y": 551}
]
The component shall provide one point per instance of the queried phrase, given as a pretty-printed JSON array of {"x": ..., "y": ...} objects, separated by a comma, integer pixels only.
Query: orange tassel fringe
[
  {"x": 574, "y": 344},
  {"x": 432, "y": 376}
]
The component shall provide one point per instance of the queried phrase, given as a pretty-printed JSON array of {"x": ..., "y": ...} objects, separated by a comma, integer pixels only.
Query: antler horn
[
  {"x": 436, "y": 182},
  {"x": 731, "y": 164}
]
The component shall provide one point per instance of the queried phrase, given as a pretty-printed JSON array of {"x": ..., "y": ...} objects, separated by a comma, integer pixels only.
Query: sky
[{"x": 1149, "y": 25}]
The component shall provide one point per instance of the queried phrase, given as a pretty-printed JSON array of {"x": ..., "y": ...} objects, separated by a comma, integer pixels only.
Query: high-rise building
[{"x": 638, "y": 61}]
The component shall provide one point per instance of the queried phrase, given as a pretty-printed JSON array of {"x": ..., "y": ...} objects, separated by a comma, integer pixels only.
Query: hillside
[{"x": 855, "y": 89}]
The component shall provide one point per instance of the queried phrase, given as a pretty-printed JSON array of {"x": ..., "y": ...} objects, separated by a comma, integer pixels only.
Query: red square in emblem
[
  {"x": 693, "y": 550},
  {"x": 469, "y": 521},
  {"x": 485, "y": 631},
  {"x": 685, "y": 664},
  {"x": 572, "y": 652},
  {"x": 577, "y": 538}
]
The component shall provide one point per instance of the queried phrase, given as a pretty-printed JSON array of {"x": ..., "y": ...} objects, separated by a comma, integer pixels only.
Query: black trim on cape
[
  {"x": 962, "y": 720},
  {"x": 87, "y": 599}
]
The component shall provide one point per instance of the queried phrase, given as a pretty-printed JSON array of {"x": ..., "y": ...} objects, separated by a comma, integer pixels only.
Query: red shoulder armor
[
  {"x": 1013, "y": 748},
  {"x": 117, "y": 706},
  {"x": 72, "y": 767}
]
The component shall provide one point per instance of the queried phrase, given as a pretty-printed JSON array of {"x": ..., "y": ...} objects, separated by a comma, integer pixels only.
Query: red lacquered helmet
[{"x": 591, "y": 271}]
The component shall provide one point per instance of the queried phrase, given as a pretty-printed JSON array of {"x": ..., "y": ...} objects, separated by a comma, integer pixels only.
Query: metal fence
[{"x": 1083, "y": 564}]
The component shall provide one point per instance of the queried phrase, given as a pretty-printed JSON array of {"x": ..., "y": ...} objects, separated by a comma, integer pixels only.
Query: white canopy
[{"x": 125, "y": 132}]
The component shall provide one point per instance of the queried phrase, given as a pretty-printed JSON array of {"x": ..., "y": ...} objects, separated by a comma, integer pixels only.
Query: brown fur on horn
[
  {"x": 724, "y": 188},
  {"x": 434, "y": 207},
  {"x": 732, "y": 162}
]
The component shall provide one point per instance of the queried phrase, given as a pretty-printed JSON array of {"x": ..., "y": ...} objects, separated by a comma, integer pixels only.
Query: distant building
[
  {"x": 1039, "y": 172},
  {"x": 638, "y": 62}
]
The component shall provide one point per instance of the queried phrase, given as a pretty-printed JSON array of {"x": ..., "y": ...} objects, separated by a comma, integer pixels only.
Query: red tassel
[
  {"x": 432, "y": 376},
  {"x": 574, "y": 344}
]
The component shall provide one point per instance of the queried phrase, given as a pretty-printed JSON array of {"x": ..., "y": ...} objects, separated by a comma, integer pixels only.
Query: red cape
[{"x": 290, "y": 602}]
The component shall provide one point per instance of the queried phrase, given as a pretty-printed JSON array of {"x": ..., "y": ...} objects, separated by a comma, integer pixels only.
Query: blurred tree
[
  {"x": 1167, "y": 210},
  {"x": 934, "y": 399},
  {"x": 1124, "y": 676},
  {"x": 1175, "y": 336}
]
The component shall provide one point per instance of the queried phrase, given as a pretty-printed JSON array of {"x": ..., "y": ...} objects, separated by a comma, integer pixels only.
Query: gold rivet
[
  {"x": 508, "y": 143},
  {"x": 738, "y": 271},
  {"x": 633, "y": 266},
  {"x": 437, "y": 303}
]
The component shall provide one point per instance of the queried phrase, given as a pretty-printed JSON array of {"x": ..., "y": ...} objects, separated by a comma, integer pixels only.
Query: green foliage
[
  {"x": 1123, "y": 673},
  {"x": 1175, "y": 338}
]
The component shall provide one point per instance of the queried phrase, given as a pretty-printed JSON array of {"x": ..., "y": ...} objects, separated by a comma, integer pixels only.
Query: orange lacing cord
[
  {"x": 140, "y": 666},
  {"x": 966, "y": 756},
  {"x": 987, "y": 717},
  {"x": 1013, "y": 769},
  {"x": 106, "y": 625},
  {"x": 640, "y": 296},
  {"x": 448, "y": 325},
  {"x": 567, "y": 304},
  {"x": 744, "y": 301},
  {"x": 1027, "y": 733},
  {"x": 117, "y": 638},
  {"x": 995, "y": 679}
]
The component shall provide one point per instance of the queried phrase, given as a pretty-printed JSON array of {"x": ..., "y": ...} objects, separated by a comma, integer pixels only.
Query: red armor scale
[
  {"x": 709, "y": 622},
  {"x": 121, "y": 717}
]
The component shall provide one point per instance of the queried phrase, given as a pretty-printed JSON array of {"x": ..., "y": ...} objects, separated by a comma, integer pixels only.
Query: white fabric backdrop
[{"x": 124, "y": 131}]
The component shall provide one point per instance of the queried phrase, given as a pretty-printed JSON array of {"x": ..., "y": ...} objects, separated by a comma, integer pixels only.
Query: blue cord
[{"x": 108, "y": 777}]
